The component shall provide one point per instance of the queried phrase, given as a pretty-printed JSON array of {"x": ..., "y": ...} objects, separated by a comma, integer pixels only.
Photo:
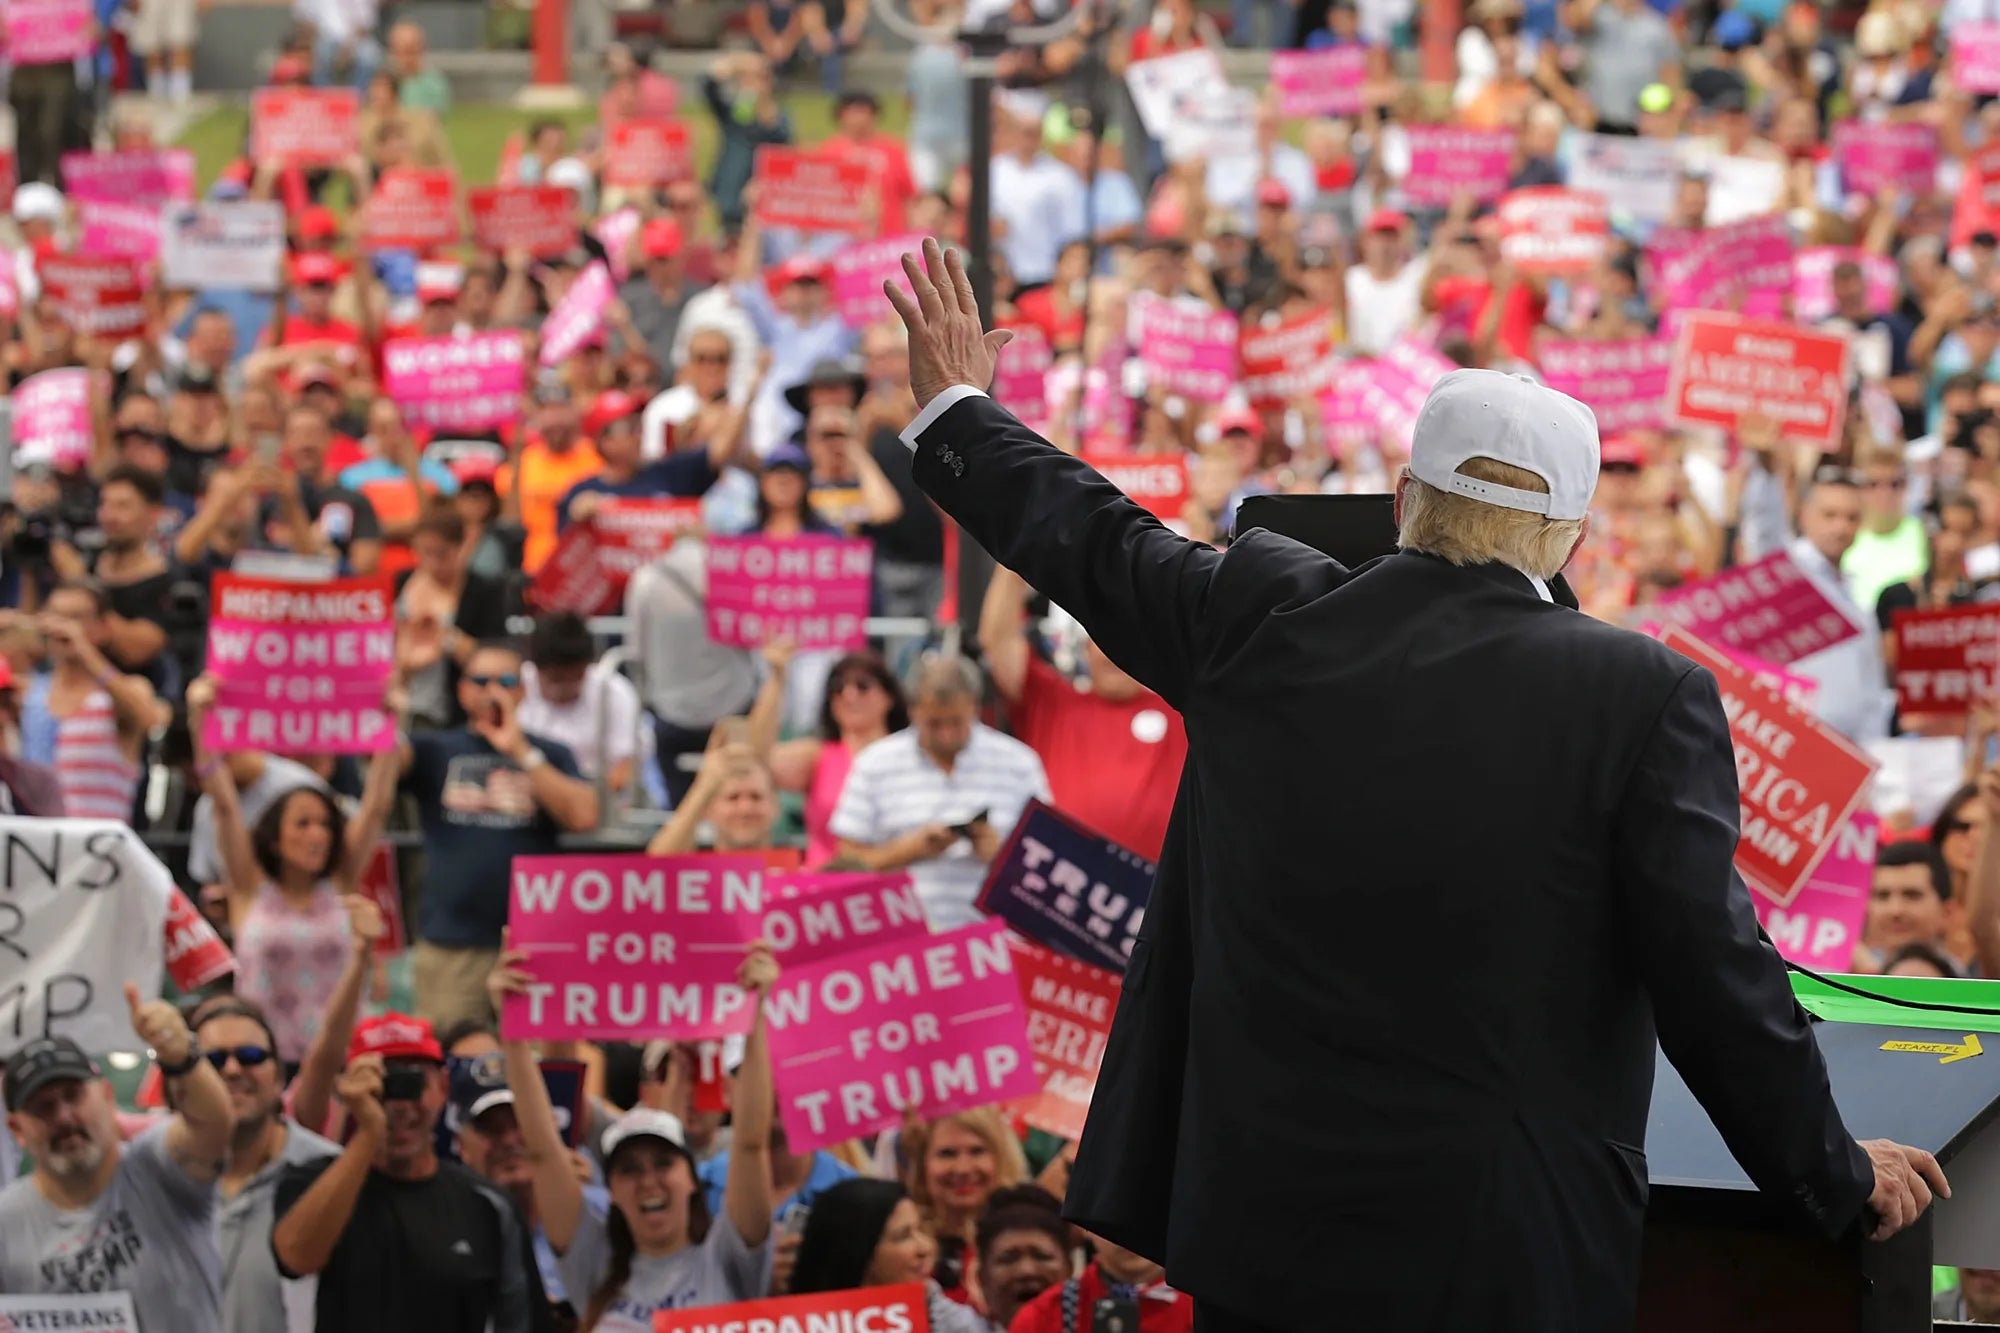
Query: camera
[{"x": 403, "y": 1083}]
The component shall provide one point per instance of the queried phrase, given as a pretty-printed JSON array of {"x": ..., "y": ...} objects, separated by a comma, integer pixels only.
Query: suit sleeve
[
  {"x": 1721, "y": 999},
  {"x": 1154, "y": 601}
]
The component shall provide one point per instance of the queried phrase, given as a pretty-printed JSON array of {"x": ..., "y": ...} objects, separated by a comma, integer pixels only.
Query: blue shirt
[
  {"x": 827, "y": 1171},
  {"x": 374, "y": 470},
  {"x": 685, "y": 476}
]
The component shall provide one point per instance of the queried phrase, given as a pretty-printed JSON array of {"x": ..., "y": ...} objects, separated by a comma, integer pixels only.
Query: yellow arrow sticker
[{"x": 1944, "y": 1050}]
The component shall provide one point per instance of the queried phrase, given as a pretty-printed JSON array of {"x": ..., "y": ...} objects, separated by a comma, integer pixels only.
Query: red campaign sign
[
  {"x": 593, "y": 560},
  {"x": 1553, "y": 230},
  {"x": 381, "y": 885},
  {"x": 1070, "y": 1004},
  {"x": 540, "y": 219},
  {"x": 411, "y": 209},
  {"x": 1289, "y": 360},
  {"x": 573, "y": 578},
  {"x": 648, "y": 153},
  {"x": 195, "y": 955},
  {"x": 711, "y": 1081},
  {"x": 904, "y": 1308},
  {"x": 1947, "y": 659},
  {"x": 304, "y": 127},
  {"x": 807, "y": 192},
  {"x": 1726, "y": 367},
  {"x": 97, "y": 296},
  {"x": 1157, "y": 483},
  {"x": 1769, "y": 609},
  {"x": 1797, "y": 779}
]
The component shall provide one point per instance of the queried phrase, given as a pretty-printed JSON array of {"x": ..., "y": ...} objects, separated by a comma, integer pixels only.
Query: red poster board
[
  {"x": 1726, "y": 367},
  {"x": 412, "y": 209},
  {"x": 807, "y": 192},
  {"x": 648, "y": 153},
  {"x": 1552, "y": 230},
  {"x": 304, "y": 127},
  {"x": 540, "y": 219},
  {"x": 1947, "y": 659},
  {"x": 1070, "y": 1005},
  {"x": 1157, "y": 483},
  {"x": 1286, "y": 361},
  {"x": 97, "y": 296},
  {"x": 904, "y": 1308}
]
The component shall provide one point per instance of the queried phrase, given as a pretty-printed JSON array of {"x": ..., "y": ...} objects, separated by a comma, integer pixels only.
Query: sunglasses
[
  {"x": 865, "y": 684},
  {"x": 509, "y": 681},
  {"x": 1958, "y": 826},
  {"x": 247, "y": 1056}
]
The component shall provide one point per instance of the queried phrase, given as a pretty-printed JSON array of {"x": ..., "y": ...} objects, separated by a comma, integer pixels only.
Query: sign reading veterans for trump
[
  {"x": 1798, "y": 781},
  {"x": 1947, "y": 659},
  {"x": 300, "y": 668},
  {"x": 84, "y": 911},
  {"x": 808, "y": 917},
  {"x": 904, "y": 1308},
  {"x": 932, "y": 1025},
  {"x": 1769, "y": 609},
  {"x": 104, "y": 1312},
  {"x": 632, "y": 948},
  {"x": 1070, "y": 1005},
  {"x": 811, "y": 590},
  {"x": 1073, "y": 890}
]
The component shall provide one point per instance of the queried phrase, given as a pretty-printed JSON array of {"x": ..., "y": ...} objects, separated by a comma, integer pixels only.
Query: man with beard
[
  {"x": 99, "y": 1215},
  {"x": 403, "y": 1242}
]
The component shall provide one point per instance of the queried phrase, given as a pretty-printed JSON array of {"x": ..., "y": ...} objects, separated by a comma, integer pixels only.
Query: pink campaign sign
[
  {"x": 1187, "y": 352},
  {"x": 1877, "y": 156},
  {"x": 1975, "y": 57},
  {"x": 935, "y": 1025},
  {"x": 1769, "y": 609},
  {"x": 1021, "y": 376},
  {"x": 148, "y": 177},
  {"x": 300, "y": 668},
  {"x": 1624, "y": 382},
  {"x": 1824, "y": 920},
  {"x": 1447, "y": 161},
  {"x": 1400, "y": 381},
  {"x": 859, "y": 270},
  {"x": 52, "y": 418},
  {"x": 1812, "y": 280},
  {"x": 1319, "y": 83},
  {"x": 45, "y": 32},
  {"x": 811, "y": 590},
  {"x": 1348, "y": 424},
  {"x": 631, "y": 948},
  {"x": 456, "y": 384},
  {"x": 1712, "y": 269},
  {"x": 809, "y": 918},
  {"x": 577, "y": 316},
  {"x": 119, "y": 230},
  {"x": 615, "y": 232}
]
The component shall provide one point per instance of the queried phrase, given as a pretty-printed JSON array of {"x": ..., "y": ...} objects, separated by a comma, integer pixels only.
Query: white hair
[{"x": 1465, "y": 531}]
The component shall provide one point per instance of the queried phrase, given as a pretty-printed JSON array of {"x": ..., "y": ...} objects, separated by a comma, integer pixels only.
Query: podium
[{"x": 1722, "y": 1257}]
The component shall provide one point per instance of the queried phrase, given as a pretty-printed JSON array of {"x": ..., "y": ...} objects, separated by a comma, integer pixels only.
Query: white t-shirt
[
  {"x": 607, "y": 707},
  {"x": 1380, "y": 312}
]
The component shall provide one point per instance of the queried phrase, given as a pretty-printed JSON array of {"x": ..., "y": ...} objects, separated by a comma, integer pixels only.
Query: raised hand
[{"x": 948, "y": 345}]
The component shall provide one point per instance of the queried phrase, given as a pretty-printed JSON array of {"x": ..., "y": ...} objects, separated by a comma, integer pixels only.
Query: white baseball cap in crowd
[
  {"x": 1510, "y": 419},
  {"x": 38, "y": 202},
  {"x": 643, "y": 1123}
]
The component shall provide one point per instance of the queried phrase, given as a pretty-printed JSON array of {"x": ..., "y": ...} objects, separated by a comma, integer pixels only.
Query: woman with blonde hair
[{"x": 952, "y": 1165}]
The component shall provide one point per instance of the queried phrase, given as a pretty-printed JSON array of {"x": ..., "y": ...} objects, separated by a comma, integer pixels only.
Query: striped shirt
[
  {"x": 895, "y": 788},
  {"x": 98, "y": 778}
]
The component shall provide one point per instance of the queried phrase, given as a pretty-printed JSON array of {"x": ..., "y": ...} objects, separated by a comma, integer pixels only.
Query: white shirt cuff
[{"x": 938, "y": 406}]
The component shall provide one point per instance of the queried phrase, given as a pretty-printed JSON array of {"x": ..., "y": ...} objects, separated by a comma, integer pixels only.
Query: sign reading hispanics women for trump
[
  {"x": 1947, "y": 658},
  {"x": 632, "y": 948},
  {"x": 934, "y": 1025},
  {"x": 903, "y": 1308},
  {"x": 300, "y": 667}
]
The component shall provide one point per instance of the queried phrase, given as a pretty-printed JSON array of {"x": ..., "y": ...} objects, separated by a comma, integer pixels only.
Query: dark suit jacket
[{"x": 1445, "y": 860}]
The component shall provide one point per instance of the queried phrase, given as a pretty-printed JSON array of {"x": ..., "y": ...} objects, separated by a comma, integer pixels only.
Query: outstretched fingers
[
  {"x": 961, "y": 283},
  {"x": 928, "y": 298}
]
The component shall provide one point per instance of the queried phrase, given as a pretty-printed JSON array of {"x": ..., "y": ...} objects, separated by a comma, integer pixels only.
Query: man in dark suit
[{"x": 1306, "y": 1129}]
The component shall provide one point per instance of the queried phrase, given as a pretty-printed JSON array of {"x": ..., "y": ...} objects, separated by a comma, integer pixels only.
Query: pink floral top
[{"x": 288, "y": 960}]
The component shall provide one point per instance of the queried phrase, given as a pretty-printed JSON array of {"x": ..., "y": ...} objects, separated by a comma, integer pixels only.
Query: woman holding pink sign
[{"x": 288, "y": 879}]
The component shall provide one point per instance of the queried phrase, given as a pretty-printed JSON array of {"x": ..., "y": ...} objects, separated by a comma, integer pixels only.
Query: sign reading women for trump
[
  {"x": 811, "y": 590},
  {"x": 904, "y": 1308},
  {"x": 631, "y": 948},
  {"x": 933, "y": 1025},
  {"x": 83, "y": 912},
  {"x": 809, "y": 917},
  {"x": 1075, "y": 891},
  {"x": 1070, "y": 1005},
  {"x": 1769, "y": 609},
  {"x": 1798, "y": 781},
  {"x": 300, "y": 667}
]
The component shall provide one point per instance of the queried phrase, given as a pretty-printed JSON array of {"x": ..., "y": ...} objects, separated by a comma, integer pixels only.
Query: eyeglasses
[
  {"x": 509, "y": 681},
  {"x": 247, "y": 1056}
]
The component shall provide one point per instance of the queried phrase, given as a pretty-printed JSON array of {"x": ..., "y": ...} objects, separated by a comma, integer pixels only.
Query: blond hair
[
  {"x": 1465, "y": 531},
  {"x": 1010, "y": 1164}
]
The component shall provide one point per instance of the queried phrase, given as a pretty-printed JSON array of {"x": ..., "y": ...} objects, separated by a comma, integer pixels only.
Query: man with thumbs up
[{"x": 99, "y": 1215}]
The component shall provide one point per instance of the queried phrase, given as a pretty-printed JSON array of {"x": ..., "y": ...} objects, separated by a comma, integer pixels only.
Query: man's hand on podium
[
  {"x": 947, "y": 344},
  {"x": 1905, "y": 1180}
]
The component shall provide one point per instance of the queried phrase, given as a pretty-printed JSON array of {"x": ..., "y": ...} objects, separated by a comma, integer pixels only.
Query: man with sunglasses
[
  {"x": 486, "y": 793},
  {"x": 237, "y": 1040}
]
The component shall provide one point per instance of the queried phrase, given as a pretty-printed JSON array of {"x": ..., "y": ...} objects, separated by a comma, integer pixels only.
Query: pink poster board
[
  {"x": 860, "y": 269},
  {"x": 1769, "y": 609},
  {"x": 812, "y": 590},
  {"x": 300, "y": 668},
  {"x": 1319, "y": 83},
  {"x": 457, "y": 384},
  {"x": 1448, "y": 160},
  {"x": 1824, "y": 920}
]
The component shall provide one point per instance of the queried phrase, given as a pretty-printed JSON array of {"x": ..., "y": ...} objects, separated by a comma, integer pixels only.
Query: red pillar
[
  {"x": 550, "y": 39},
  {"x": 1438, "y": 43}
]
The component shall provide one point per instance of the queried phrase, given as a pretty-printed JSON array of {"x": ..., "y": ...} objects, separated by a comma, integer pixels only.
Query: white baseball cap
[
  {"x": 1509, "y": 419},
  {"x": 643, "y": 1123},
  {"x": 38, "y": 202}
]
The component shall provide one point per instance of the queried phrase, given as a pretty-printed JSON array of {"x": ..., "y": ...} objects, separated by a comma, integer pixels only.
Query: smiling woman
[{"x": 954, "y": 1163}]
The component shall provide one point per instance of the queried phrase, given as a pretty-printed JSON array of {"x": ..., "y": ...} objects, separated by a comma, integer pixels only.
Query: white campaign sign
[
  {"x": 236, "y": 243},
  {"x": 83, "y": 905},
  {"x": 106, "y": 1312},
  {"x": 1165, "y": 87}
]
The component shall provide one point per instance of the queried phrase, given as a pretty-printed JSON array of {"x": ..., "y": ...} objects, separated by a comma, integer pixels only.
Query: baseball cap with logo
[
  {"x": 1509, "y": 419},
  {"x": 395, "y": 1037},
  {"x": 643, "y": 1123},
  {"x": 41, "y": 1062}
]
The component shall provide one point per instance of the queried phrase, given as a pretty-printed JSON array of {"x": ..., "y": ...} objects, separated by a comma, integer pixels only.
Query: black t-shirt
[
  {"x": 916, "y": 537},
  {"x": 443, "y": 1255},
  {"x": 188, "y": 468},
  {"x": 342, "y": 517}
]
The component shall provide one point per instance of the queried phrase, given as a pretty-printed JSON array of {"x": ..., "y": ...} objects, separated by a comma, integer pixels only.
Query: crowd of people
[{"x": 295, "y": 1174}]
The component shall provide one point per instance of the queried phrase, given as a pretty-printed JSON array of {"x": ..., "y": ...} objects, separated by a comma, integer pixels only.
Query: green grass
[{"x": 476, "y": 131}]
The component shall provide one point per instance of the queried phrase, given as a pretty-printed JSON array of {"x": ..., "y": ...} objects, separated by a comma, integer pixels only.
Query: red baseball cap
[
  {"x": 290, "y": 69},
  {"x": 1273, "y": 194},
  {"x": 1239, "y": 418},
  {"x": 1386, "y": 219},
  {"x": 660, "y": 238},
  {"x": 395, "y": 1037},
  {"x": 612, "y": 405},
  {"x": 1626, "y": 450},
  {"x": 438, "y": 282},
  {"x": 314, "y": 269},
  {"x": 472, "y": 469},
  {"x": 317, "y": 223},
  {"x": 6, "y": 674},
  {"x": 802, "y": 268}
]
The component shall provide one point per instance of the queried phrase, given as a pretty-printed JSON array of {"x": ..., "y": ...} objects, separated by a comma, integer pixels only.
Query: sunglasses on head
[
  {"x": 507, "y": 681},
  {"x": 247, "y": 1056}
]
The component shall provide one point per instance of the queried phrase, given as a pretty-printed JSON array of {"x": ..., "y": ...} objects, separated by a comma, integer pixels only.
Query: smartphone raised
[
  {"x": 402, "y": 1083},
  {"x": 965, "y": 830}
]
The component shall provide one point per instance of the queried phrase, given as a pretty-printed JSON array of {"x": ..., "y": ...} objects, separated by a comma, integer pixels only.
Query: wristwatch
[
  {"x": 531, "y": 760},
  {"x": 184, "y": 1067}
]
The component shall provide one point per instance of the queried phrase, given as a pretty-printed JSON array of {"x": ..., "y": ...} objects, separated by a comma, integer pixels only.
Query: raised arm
[
  {"x": 312, "y": 1090},
  {"x": 558, "y": 1193},
  {"x": 378, "y": 794},
  {"x": 1003, "y": 633},
  {"x": 198, "y": 1136},
  {"x": 746, "y": 1193}
]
